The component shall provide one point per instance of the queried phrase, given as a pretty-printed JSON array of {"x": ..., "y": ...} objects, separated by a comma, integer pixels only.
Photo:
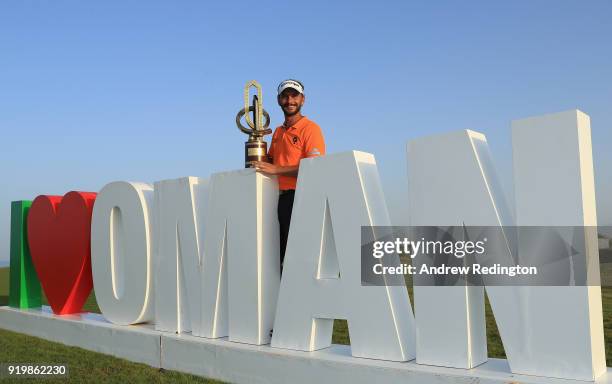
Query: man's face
[{"x": 291, "y": 101}]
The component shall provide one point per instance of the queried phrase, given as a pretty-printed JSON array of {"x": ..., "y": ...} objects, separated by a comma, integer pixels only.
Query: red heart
[{"x": 59, "y": 233}]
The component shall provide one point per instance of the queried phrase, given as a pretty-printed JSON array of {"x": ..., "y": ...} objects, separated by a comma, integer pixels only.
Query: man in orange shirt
[{"x": 298, "y": 138}]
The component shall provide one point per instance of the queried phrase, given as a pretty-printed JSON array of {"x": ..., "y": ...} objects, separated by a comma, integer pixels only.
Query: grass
[
  {"x": 86, "y": 366},
  {"x": 83, "y": 365}
]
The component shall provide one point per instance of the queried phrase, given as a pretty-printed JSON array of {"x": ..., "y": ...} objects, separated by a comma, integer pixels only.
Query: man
[{"x": 298, "y": 138}]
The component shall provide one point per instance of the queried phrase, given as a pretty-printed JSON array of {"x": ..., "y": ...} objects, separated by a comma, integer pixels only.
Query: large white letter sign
[
  {"x": 121, "y": 257},
  {"x": 242, "y": 233},
  {"x": 179, "y": 207},
  {"x": 448, "y": 187},
  {"x": 554, "y": 185},
  {"x": 321, "y": 280},
  {"x": 217, "y": 242},
  {"x": 546, "y": 331}
]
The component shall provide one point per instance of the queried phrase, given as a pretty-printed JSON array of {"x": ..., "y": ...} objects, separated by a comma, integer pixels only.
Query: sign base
[{"x": 244, "y": 363}]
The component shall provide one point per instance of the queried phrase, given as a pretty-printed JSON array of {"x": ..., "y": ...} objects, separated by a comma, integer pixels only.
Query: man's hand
[{"x": 271, "y": 169}]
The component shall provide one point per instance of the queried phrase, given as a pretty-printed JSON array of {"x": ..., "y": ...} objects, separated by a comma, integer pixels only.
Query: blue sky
[{"x": 92, "y": 92}]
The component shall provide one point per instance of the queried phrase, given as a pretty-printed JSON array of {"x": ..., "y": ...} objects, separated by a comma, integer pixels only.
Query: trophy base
[{"x": 255, "y": 151}]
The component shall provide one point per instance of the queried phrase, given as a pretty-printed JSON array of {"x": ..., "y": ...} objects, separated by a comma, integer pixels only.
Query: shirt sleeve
[
  {"x": 271, "y": 147},
  {"x": 314, "y": 143}
]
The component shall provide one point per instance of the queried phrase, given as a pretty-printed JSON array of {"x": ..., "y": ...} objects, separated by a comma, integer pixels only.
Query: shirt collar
[{"x": 300, "y": 123}]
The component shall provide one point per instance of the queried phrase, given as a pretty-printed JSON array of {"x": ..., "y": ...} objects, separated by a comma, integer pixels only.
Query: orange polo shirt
[{"x": 289, "y": 145}]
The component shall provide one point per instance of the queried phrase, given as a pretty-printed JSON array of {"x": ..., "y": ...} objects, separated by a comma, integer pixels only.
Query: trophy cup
[{"x": 255, "y": 148}]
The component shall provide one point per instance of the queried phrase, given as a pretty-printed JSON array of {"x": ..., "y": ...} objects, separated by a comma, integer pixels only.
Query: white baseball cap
[{"x": 290, "y": 83}]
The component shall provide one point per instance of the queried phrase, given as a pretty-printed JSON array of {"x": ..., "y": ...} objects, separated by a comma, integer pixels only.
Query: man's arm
[
  {"x": 271, "y": 169},
  {"x": 314, "y": 146}
]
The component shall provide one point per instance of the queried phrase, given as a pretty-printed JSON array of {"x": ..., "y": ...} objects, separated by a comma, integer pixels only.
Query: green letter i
[{"x": 25, "y": 289}]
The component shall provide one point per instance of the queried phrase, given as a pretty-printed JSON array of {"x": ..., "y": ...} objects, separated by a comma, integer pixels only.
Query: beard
[{"x": 292, "y": 113}]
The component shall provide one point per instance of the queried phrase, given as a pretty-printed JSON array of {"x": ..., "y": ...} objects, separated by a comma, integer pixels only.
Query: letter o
[{"x": 121, "y": 258}]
